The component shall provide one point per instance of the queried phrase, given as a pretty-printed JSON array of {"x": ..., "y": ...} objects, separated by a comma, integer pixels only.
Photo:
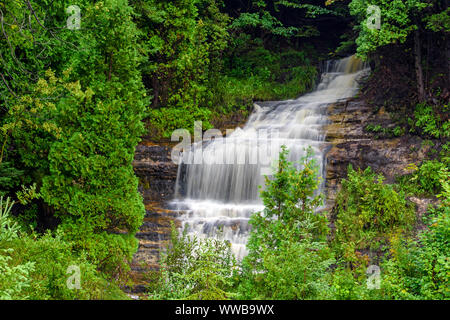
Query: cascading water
[{"x": 219, "y": 193}]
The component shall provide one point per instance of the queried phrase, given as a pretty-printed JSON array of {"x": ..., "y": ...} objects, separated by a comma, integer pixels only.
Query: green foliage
[
  {"x": 200, "y": 66},
  {"x": 14, "y": 280},
  {"x": 27, "y": 194},
  {"x": 288, "y": 256},
  {"x": 346, "y": 285},
  {"x": 74, "y": 129},
  {"x": 35, "y": 267},
  {"x": 399, "y": 19},
  {"x": 419, "y": 269},
  {"x": 296, "y": 270},
  {"x": 8, "y": 228},
  {"x": 51, "y": 256},
  {"x": 194, "y": 269},
  {"x": 243, "y": 91},
  {"x": 184, "y": 40},
  {"x": 260, "y": 17},
  {"x": 425, "y": 179},
  {"x": 429, "y": 121},
  {"x": 413, "y": 268},
  {"x": 281, "y": 75},
  {"x": 265, "y": 21},
  {"x": 90, "y": 182},
  {"x": 289, "y": 198},
  {"x": 429, "y": 175},
  {"x": 72, "y": 104},
  {"x": 256, "y": 74},
  {"x": 9, "y": 177},
  {"x": 367, "y": 213},
  {"x": 382, "y": 132},
  {"x": 164, "y": 121},
  {"x": 439, "y": 21}
]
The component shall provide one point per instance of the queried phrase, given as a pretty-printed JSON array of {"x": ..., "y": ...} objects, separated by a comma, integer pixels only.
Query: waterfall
[{"x": 219, "y": 193}]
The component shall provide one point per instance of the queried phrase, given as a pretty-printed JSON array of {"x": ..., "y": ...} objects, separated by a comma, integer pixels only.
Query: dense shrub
[
  {"x": 429, "y": 174},
  {"x": 36, "y": 267},
  {"x": 419, "y": 269},
  {"x": 296, "y": 270},
  {"x": 428, "y": 120},
  {"x": 194, "y": 268},
  {"x": 367, "y": 213},
  {"x": 426, "y": 179},
  {"x": 50, "y": 257}
]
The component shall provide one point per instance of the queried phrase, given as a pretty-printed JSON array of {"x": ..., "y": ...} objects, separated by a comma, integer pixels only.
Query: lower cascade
[{"x": 218, "y": 179}]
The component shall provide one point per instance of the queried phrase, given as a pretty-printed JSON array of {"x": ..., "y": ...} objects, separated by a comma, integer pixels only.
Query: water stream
[{"x": 219, "y": 194}]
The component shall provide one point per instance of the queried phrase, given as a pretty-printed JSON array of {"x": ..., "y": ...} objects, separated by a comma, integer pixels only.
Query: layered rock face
[
  {"x": 157, "y": 176},
  {"x": 156, "y": 171},
  {"x": 350, "y": 143}
]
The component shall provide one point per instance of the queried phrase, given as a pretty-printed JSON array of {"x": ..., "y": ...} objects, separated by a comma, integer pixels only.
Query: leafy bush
[
  {"x": 298, "y": 269},
  {"x": 76, "y": 133},
  {"x": 13, "y": 279},
  {"x": 51, "y": 257},
  {"x": 184, "y": 42},
  {"x": 256, "y": 73},
  {"x": 367, "y": 212},
  {"x": 418, "y": 269},
  {"x": 35, "y": 267},
  {"x": 194, "y": 269},
  {"x": 8, "y": 229},
  {"x": 349, "y": 285},
  {"x": 397, "y": 23},
  {"x": 429, "y": 121},
  {"x": 413, "y": 267},
  {"x": 425, "y": 180},
  {"x": 429, "y": 174},
  {"x": 109, "y": 251}
]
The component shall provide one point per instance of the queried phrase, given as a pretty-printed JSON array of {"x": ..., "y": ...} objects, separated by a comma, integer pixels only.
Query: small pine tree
[{"x": 288, "y": 255}]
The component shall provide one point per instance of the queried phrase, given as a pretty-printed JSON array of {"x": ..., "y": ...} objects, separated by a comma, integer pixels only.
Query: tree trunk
[
  {"x": 447, "y": 55},
  {"x": 418, "y": 66},
  {"x": 155, "y": 86},
  {"x": 447, "y": 47}
]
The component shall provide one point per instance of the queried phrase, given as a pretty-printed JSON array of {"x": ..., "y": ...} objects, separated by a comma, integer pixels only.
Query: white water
[{"x": 218, "y": 198}]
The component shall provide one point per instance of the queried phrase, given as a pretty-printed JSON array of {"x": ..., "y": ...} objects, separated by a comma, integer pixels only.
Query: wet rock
[{"x": 153, "y": 236}]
